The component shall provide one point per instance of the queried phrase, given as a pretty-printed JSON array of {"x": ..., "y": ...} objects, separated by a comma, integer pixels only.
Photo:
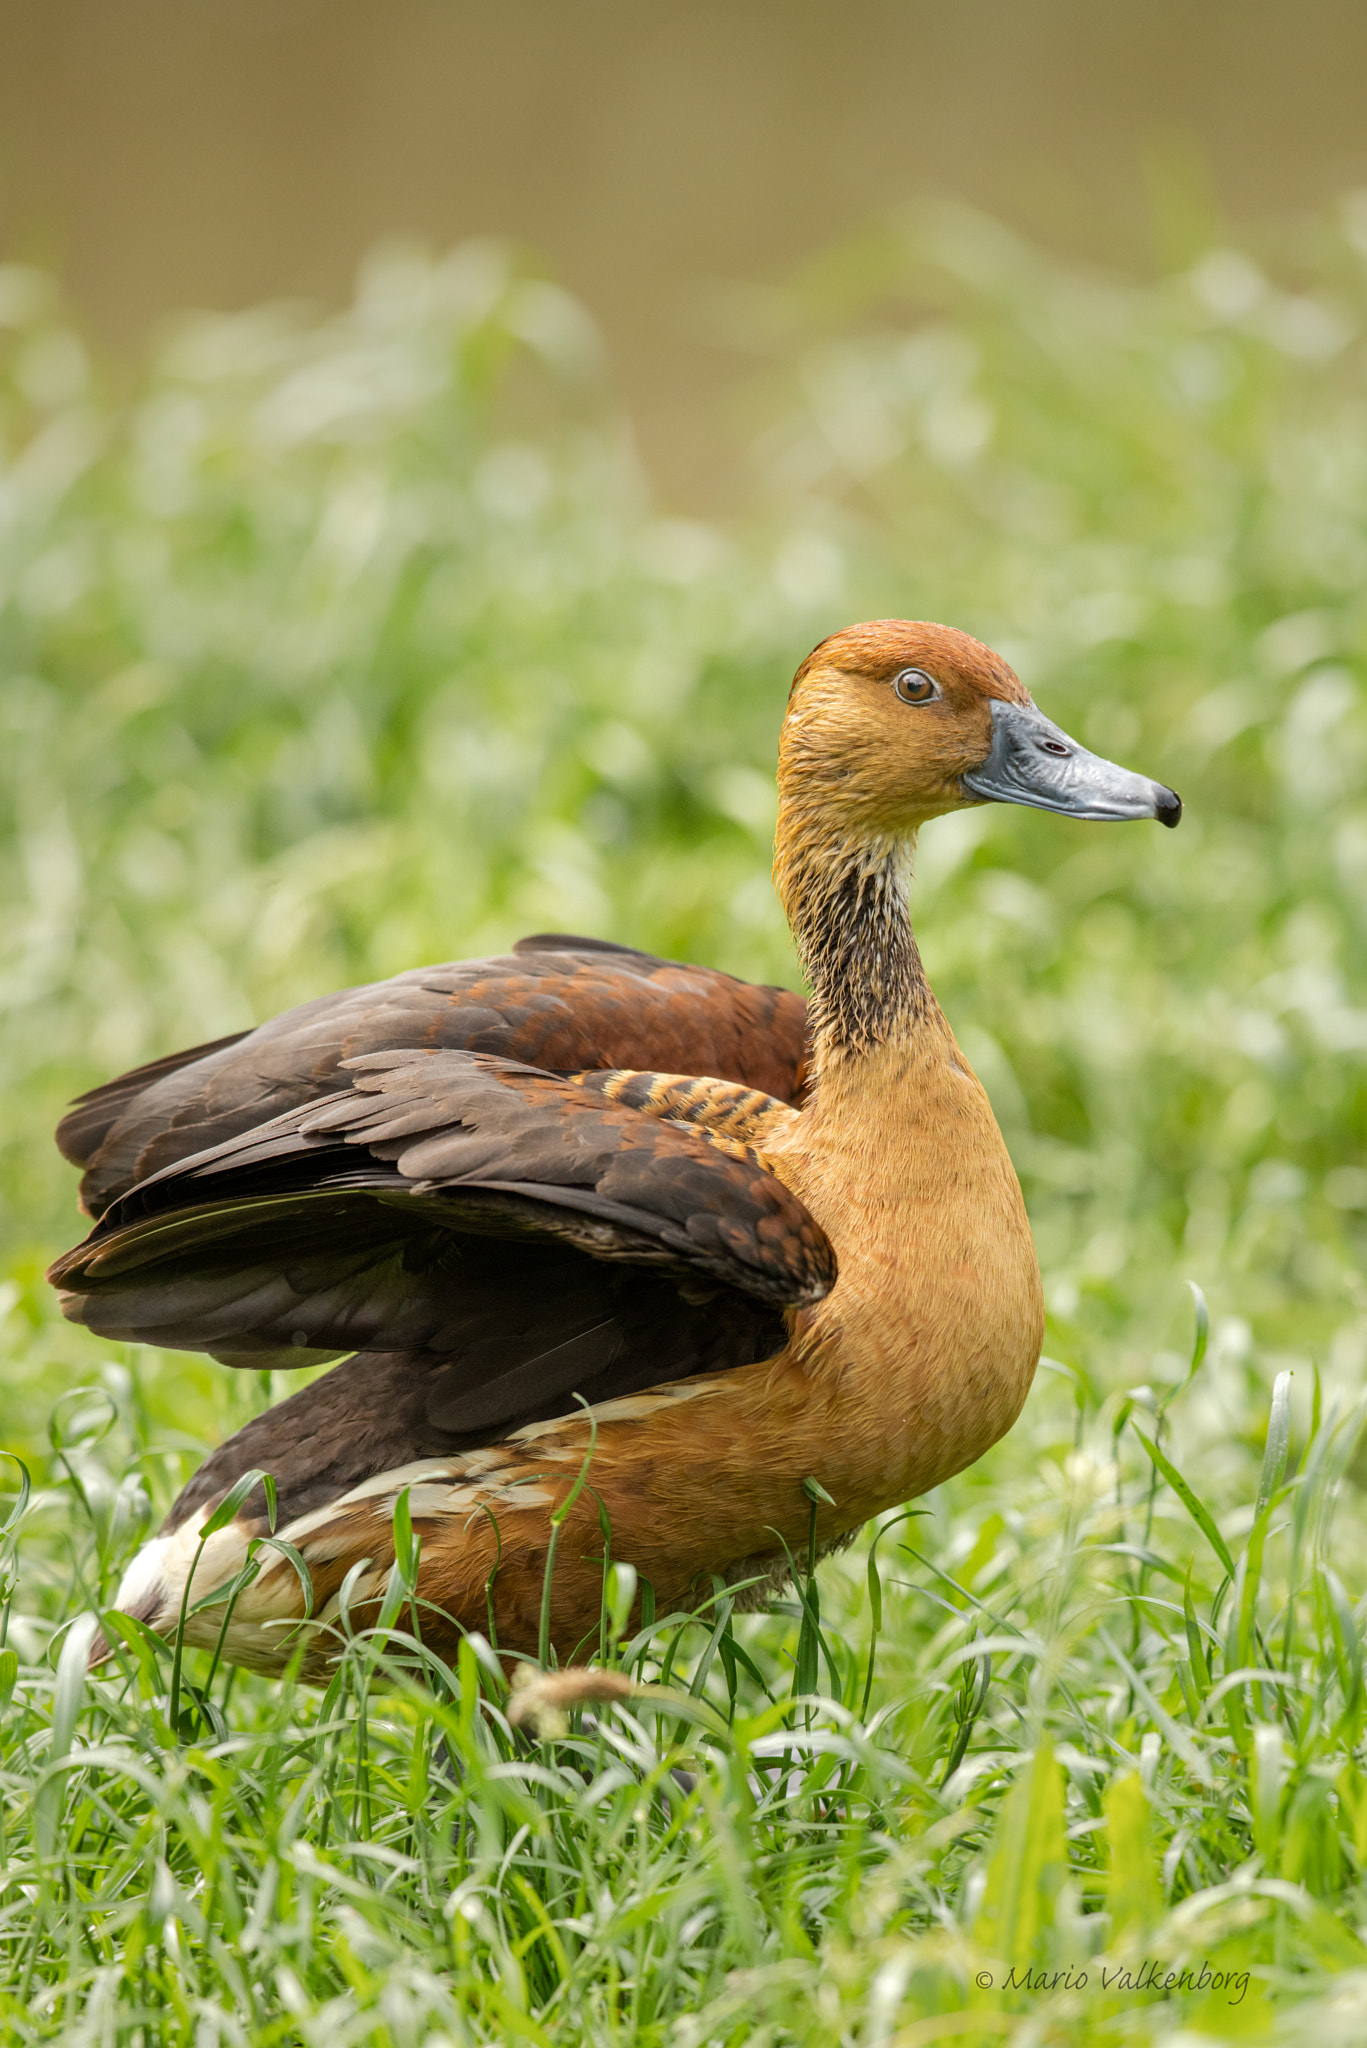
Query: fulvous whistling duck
[{"x": 766, "y": 1243}]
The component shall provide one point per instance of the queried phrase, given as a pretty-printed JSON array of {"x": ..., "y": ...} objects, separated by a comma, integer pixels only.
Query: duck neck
[{"x": 846, "y": 899}]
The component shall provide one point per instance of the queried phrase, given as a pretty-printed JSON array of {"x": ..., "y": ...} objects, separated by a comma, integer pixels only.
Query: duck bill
[{"x": 1033, "y": 763}]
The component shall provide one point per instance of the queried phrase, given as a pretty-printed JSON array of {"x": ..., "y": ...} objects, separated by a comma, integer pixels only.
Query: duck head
[{"x": 897, "y": 721}]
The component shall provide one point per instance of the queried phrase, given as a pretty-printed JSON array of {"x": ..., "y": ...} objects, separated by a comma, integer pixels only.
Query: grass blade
[{"x": 1194, "y": 1507}]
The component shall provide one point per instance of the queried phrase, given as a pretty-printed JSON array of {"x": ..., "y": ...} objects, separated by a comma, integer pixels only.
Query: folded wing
[
  {"x": 515, "y": 1237},
  {"x": 556, "y": 1003}
]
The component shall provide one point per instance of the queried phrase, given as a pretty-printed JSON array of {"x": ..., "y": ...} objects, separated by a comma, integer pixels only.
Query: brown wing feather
[
  {"x": 435, "y": 1216},
  {"x": 474, "y": 1144},
  {"x": 556, "y": 1003},
  {"x": 87, "y": 1123}
]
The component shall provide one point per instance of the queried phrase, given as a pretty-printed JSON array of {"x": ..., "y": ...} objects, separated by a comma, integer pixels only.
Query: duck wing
[
  {"x": 491, "y": 1238},
  {"x": 87, "y": 1124},
  {"x": 556, "y": 1002}
]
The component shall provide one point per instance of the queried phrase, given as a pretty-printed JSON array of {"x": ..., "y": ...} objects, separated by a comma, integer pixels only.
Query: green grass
[{"x": 343, "y": 645}]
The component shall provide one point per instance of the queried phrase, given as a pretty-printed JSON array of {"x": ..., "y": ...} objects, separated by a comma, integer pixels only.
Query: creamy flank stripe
[{"x": 154, "y": 1583}]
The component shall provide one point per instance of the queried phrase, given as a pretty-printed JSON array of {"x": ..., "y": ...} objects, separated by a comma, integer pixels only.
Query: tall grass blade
[{"x": 1194, "y": 1507}]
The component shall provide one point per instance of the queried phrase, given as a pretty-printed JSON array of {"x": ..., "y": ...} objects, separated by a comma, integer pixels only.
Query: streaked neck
[{"x": 846, "y": 899}]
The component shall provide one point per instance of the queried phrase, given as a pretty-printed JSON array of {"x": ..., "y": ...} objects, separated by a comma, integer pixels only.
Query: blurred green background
[
  {"x": 662, "y": 157},
  {"x": 336, "y": 639}
]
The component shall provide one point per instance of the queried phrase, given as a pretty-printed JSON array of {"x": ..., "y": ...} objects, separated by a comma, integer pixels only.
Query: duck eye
[{"x": 914, "y": 686}]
